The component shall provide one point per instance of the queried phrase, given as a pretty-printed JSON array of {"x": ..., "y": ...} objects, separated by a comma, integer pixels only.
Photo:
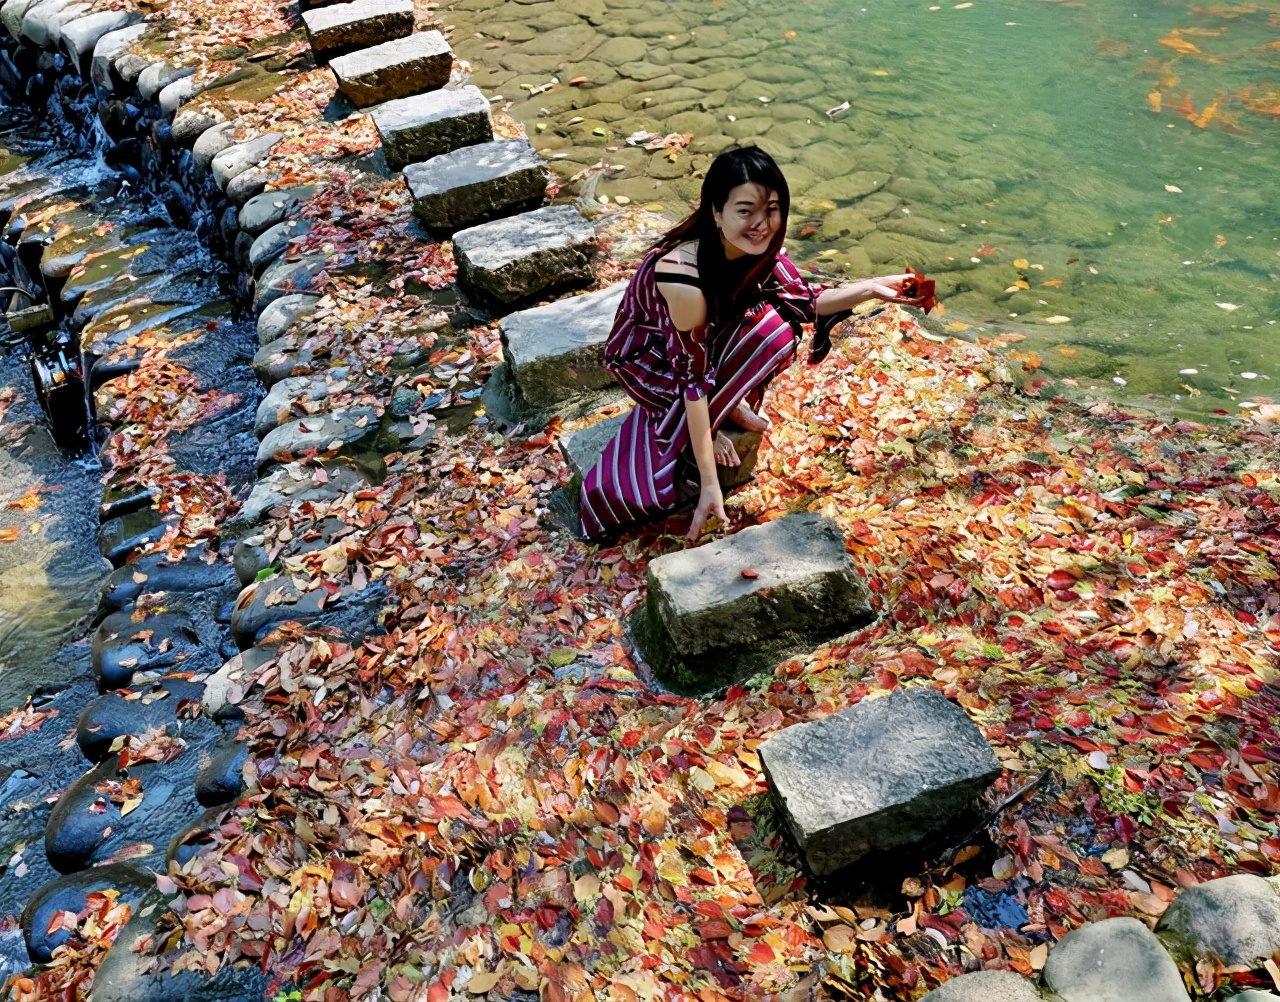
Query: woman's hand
[
  {"x": 726, "y": 454},
  {"x": 710, "y": 502},
  {"x": 889, "y": 289}
]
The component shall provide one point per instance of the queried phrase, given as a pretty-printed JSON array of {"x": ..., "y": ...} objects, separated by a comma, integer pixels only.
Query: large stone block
[
  {"x": 477, "y": 183},
  {"x": 427, "y": 125},
  {"x": 81, "y": 35},
  {"x": 535, "y": 253},
  {"x": 1236, "y": 919},
  {"x": 345, "y": 27},
  {"x": 399, "y": 68},
  {"x": 884, "y": 774},
  {"x": 801, "y": 580},
  {"x": 554, "y": 352},
  {"x": 107, "y": 50},
  {"x": 1116, "y": 960}
]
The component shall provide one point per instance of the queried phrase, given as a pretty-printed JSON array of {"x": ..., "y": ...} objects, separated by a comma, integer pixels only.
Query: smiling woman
[{"x": 710, "y": 317}]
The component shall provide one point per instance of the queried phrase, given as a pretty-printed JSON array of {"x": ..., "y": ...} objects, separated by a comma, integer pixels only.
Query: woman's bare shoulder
[{"x": 679, "y": 264}]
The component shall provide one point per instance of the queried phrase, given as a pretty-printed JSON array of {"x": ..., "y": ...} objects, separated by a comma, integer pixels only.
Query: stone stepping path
[
  {"x": 791, "y": 576},
  {"x": 400, "y": 68},
  {"x": 413, "y": 129},
  {"x": 511, "y": 260},
  {"x": 477, "y": 183},
  {"x": 880, "y": 776},
  {"x": 553, "y": 352},
  {"x": 345, "y": 27}
]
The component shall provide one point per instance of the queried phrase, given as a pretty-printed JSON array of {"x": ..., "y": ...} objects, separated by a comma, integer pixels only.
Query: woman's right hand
[{"x": 710, "y": 502}]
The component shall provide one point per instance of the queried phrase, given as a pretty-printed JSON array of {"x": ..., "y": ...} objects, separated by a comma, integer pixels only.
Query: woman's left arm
[{"x": 885, "y": 287}]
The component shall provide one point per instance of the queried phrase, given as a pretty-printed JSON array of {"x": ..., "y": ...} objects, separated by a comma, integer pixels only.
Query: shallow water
[{"x": 1029, "y": 131}]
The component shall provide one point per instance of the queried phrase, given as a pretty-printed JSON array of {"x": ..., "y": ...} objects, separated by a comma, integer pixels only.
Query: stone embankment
[{"x": 234, "y": 470}]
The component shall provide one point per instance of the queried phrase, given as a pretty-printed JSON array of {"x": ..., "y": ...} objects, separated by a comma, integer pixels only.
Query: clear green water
[{"x": 1010, "y": 130}]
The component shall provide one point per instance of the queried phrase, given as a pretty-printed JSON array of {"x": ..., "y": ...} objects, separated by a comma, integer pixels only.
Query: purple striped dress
[{"x": 635, "y": 478}]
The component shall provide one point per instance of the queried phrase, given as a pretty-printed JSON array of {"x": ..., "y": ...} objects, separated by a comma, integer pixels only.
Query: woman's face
[{"x": 749, "y": 220}]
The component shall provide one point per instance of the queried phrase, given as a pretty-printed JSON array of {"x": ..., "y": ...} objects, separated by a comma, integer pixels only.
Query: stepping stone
[
  {"x": 143, "y": 708},
  {"x": 418, "y": 128},
  {"x": 344, "y": 27},
  {"x": 1236, "y": 919},
  {"x": 985, "y": 986},
  {"x": 1116, "y": 960},
  {"x": 554, "y": 352},
  {"x": 70, "y": 894},
  {"x": 341, "y": 431},
  {"x": 123, "y": 645},
  {"x": 887, "y": 773},
  {"x": 286, "y": 485},
  {"x": 401, "y": 67},
  {"x": 804, "y": 583},
  {"x": 477, "y": 183},
  {"x": 535, "y": 253}
]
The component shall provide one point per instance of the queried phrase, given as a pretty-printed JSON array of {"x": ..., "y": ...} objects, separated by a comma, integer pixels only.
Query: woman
[{"x": 710, "y": 317}]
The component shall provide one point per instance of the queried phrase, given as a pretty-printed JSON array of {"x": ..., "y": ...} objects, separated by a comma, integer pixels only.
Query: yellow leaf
[
  {"x": 1022, "y": 262},
  {"x": 483, "y": 981}
]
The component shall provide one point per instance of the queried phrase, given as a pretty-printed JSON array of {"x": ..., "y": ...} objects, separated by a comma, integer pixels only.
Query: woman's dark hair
[{"x": 722, "y": 285}]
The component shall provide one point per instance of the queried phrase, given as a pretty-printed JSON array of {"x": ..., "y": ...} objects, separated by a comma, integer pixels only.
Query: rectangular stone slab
[
  {"x": 554, "y": 352},
  {"x": 344, "y": 27},
  {"x": 804, "y": 583},
  {"x": 426, "y": 125},
  {"x": 477, "y": 183},
  {"x": 401, "y": 67},
  {"x": 514, "y": 259},
  {"x": 886, "y": 773}
]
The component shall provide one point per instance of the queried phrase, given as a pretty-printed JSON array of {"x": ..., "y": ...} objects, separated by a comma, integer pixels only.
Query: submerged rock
[
  {"x": 70, "y": 894},
  {"x": 158, "y": 572},
  {"x": 120, "y": 536},
  {"x": 134, "y": 712},
  {"x": 220, "y": 779},
  {"x": 124, "y": 645}
]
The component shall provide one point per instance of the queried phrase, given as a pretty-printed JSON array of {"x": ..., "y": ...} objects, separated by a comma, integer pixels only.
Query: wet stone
[
  {"x": 70, "y": 894},
  {"x": 108, "y": 49},
  {"x": 276, "y": 319},
  {"x": 211, "y": 141},
  {"x": 413, "y": 129},
  {"x": 123, "y": 646},
  {"x": 220, "y": 779},
  {"x": 341, "y": 431},
  {"x": 225, "y": 687},
  {"x": 286, "y": 276},
  {"x": 510, "y": 260},
  {"x": 159, "y": 75},
  {"x": 266, "y": 603},
  {"x": 133, "y": 712},
  {"x": 344, "y": 27},
  {"x": 1235, "y": 918},
  {"x": 554, "y": 352},
  {"x": 157, "y": 572},
  {"x": 119, "y": 537},
  {"x": 249, "y": 183},
  {"x": 294, "y": 483},
  {"x": 879, "y": 776},
  {"x": 86, "y": 826},
  {"x": 477, "y": 183},
  {"x": 399, "y": 68},
  {"x": 264, "y": 211},
  {"x": 985, "y": 986},
  {"x": 1116, "y": 960},
  {"x": 804, "y": 583},
  {"x": 130, "y": 971},
  {"x": 235, "y": 160}
]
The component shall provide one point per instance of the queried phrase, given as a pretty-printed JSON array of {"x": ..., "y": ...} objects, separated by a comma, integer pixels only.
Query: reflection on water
[{"x": 1100, "y": 175}]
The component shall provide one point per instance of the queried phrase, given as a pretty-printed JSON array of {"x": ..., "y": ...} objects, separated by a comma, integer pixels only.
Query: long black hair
[{"x": 723, "y": 285}]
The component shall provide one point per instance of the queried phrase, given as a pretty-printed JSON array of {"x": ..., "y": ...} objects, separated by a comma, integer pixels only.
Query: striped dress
[{"x": 635, "y": 478}]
